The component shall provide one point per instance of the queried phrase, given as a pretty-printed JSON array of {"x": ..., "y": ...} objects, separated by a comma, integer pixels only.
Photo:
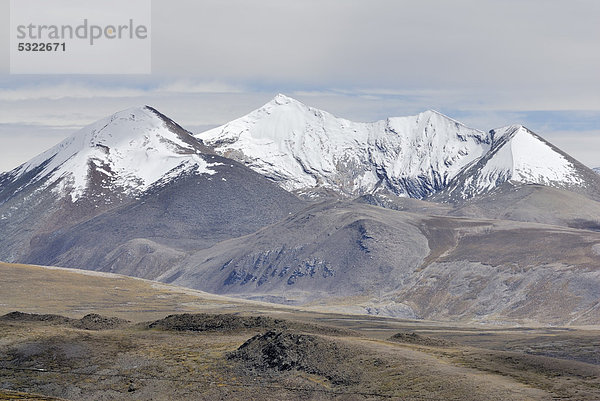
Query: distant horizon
[{"x": 59, "y": 133}]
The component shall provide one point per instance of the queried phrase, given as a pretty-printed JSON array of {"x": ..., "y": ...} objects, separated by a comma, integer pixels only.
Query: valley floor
[{"x": 237, "y": 350}]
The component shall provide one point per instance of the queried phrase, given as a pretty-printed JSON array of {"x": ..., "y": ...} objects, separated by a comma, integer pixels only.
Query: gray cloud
[
  {"x": 485, "y": 62},
  {"x": 508, "y": 44},
  {"x": 4, "y": 36}
]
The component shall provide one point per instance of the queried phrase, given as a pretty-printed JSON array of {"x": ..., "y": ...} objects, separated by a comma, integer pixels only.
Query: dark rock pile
[
  {"x": 414, "y": 338},
  {"x": 210, "y": 322},
  {"x": 94, "y": 321},
  {"x": 91, "y": 321},
  {"x": 280, "y": 351}
]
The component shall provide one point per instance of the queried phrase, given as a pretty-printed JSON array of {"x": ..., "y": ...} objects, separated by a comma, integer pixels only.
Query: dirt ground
[{"x": 95, "y": 337}]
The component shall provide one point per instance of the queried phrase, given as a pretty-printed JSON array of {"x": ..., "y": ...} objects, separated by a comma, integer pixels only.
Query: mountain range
[
  {"x": 419, "y": 216},
  {"x": 309, "y": 151}
]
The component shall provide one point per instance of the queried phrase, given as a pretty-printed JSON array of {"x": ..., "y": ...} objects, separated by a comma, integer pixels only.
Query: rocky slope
[
  {"x": 366, "y": 259},
  {"x": 532, "y": 203}
]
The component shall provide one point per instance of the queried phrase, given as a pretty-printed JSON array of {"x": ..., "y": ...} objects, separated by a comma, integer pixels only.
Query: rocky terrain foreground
[{"x": 98, "y": 336}]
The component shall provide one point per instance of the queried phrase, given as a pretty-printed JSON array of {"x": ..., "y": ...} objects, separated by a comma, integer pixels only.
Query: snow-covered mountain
[
  {"x": 308, "y": 150},
  {"x": 305, "y": 149},
  {"x": 302, "y": 149},
  {"x": 131, "y": 188},
  {"x": 518, "y": 156},
  {"x": 125, "y": 153},
  {"x": 596, "y": 169}
]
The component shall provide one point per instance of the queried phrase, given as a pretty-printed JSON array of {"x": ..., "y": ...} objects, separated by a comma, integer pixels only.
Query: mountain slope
[
  {"x": 521, "y": 157},
  {"x": 145, "y": 237},
  {"x": 134, "y": 184},
  {"x": 102, "y": 166},
  {"x": 309, "y": 150},
  {"x": 368, "y": 259},
  {"x": 533, "y": 203}
]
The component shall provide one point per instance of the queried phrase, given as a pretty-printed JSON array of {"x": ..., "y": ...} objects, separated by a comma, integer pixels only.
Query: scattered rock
[
  {"x": 414, "y": 338},
  {"x": 231, "y": 322},
  {"x": 91, "y": 321},
  {"x": 208, "y": 322},
  {"x": 34, "y": 317},
  {"x": 280, "y": 351},
  {"x": 94, "y": 321}
]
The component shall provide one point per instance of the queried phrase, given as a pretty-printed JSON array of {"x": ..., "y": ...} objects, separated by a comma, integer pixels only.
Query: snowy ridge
[
  {"x": 303, "y": 148},
  {"x": 520, "y": 156},
  {"x": 130, "y": 150}
]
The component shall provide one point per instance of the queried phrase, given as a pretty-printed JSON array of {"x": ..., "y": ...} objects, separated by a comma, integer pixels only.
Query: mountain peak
[
  {"x": 431, "y": 112},
  {"x": 306, "y": 149},
  {"x": 509, "y": 131},
  {"x": 123, "y": 125},
  {"x": 280, "y": 98},
  {"x": 131, "y": 150},
  {"x": 434, "y": 114},
  {"x": 520, "y": 156},
  {"x": 281, "y": 101}
]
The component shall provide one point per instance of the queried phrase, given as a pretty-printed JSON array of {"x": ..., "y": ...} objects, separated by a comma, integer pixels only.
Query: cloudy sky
[{"x": 486, "y": 63}]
